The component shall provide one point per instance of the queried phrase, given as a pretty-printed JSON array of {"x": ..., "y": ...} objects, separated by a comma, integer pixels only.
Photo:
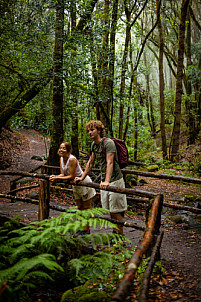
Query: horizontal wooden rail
[
  {"x": 24, "y": 188},
  {"x": 84, "y": 184},
  {"x": 25, "y": 174},
  {"x": 163, "y": 176},
  {"x": 17, "y": 198},
  {"x": 116, "y": 189},
  {"x": 181, "y": 207},
  {"x": 62, "y": 209},
  {"x": 150, "y": 174}
]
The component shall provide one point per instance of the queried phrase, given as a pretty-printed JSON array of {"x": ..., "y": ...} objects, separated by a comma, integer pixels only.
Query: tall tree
[
  {"x": 124, "y": 67},
  {"x": 129, "y": 8},
  {"x": 161, "y": 82},
  {"x": 175, "y": 138},
  {"x": 104, "y": 93},
  {"x": 190, "y": 110},
  {"x": 112, "y": 58},
  {"x": 149, "y": 100},
  {"x": 74, "y": 96},
  {"x": 57, "y": 95}
]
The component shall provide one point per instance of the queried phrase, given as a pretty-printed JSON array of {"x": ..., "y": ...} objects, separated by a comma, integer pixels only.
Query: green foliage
[
  {"x": 87, "y": 292},
  {"x": 34, "y": 254},
  {"x": 193, "y": 73},
  {"x": 101, "y": 265},
  {"x": 152, "y": 168}
]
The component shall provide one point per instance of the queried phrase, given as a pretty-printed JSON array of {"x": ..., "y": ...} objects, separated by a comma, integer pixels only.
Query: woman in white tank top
[{"x": 69, "y": 169}]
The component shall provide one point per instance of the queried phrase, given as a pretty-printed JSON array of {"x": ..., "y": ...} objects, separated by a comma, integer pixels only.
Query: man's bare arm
[
  {"x": 109, "y": 170},
  {"x": 88, "y": 168}
]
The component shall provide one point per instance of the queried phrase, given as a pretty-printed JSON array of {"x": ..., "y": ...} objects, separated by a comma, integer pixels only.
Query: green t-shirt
[{"x": 109, "y": 147}]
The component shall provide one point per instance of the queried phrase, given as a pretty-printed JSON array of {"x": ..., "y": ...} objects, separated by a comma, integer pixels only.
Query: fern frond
[
  {"x": 23, "y": 236},
  {"x": 23, "y": 250},
  {"x": 37, "y": 275},
  {"x": 98, "y": 265},
  {"x": 21, "y": 268}
]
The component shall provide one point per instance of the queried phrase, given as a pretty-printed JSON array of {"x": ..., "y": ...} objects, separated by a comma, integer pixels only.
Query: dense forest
[{"x": 135, "y": 65}]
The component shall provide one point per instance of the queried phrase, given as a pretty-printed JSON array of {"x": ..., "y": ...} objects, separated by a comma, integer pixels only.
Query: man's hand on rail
[{"x": 104, "y": 184}]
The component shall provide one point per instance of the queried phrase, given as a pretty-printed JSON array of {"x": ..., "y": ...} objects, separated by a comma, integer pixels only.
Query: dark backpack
[{"x": 122, "y": 151}]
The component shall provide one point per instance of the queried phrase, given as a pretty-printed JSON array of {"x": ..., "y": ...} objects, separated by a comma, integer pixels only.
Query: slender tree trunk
[
  {"x": 190, "y": 104},
  {"x": 149, "y": 102},
  {"x": 112, "y": 57},
  {"x": 129, "y": 24},
  {"x": 198, "y": 101},
  {"x": 174, "y": 144},
  {"x": 74, "y": 135},
  {"x": 104, "y": 89},
  {"x": 94, "y": 73},
  {"x": 57, "y": 101},
  {"x": 161, "y": 84},
  {"x": 135, "y": 131},
  {"x": 123, "y": 72},
  {"x": 130, "y": 92}
]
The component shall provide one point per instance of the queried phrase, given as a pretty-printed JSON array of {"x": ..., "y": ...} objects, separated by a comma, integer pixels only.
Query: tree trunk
[
  {"x": 149, "y": 102},
  {"x": 174, "y": 144},
  {"x": 190, "y": 107},
  {"x": 130, "y": 93},
  {"x": 135, "y": 131},
  {"x": 104, "y": 64},
  {"x": 123, "y": 72},
  {"x": 161, "y": 83},
  {"x": 112, "y": 58},
  {"x": 57, "y": 100},
  {"x": 74, "y": 135}
]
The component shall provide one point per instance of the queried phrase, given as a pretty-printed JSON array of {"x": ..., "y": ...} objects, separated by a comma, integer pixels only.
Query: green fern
[
  {"x": 22, "y": 251},
  {"x": 21, "y": 268},
  {"x": 99, "y": 265},
  {"x": 30, "y": 254}
]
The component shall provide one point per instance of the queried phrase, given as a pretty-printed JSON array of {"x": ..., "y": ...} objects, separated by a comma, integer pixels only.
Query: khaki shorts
[
  {"x": 114, "y": 202},
  {"x": 84, "y": 193}
]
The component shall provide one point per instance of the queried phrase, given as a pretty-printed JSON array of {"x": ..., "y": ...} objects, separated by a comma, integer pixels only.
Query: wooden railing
[{"x": 151, "y": 241}]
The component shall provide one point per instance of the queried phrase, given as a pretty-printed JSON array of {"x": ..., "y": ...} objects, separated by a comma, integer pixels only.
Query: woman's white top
[{"x": 65, "y": 168}]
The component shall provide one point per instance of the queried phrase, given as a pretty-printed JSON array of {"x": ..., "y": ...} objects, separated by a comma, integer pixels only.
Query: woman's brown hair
[{"x": 68, "y": 147}]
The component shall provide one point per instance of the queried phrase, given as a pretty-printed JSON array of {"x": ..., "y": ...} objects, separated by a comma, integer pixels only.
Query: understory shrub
[{"x": 33, "y": 254}]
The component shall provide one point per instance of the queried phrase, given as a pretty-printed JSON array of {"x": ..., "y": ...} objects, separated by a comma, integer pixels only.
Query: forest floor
[{"x": 180, "y": 249}]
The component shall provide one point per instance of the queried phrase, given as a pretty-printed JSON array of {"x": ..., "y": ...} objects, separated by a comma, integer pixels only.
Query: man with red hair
[{"x": 111, "y": 173}]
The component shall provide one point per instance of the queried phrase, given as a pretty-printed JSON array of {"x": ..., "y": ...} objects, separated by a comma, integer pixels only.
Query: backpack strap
[
  {"x": 104, "y": 151},
  {"x": 103, "y": 145},
  {"x": 92, "y": 149}
]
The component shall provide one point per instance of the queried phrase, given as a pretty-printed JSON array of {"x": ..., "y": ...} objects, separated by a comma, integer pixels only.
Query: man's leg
[{"x": 117, "y": 216}]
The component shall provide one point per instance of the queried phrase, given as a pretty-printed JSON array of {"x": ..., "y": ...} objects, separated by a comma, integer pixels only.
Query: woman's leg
[{"x": 84, "y": 205}]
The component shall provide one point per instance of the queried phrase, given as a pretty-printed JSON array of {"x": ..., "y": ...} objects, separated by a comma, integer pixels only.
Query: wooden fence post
[
  {"x": 44, "y": 198},
  {"x": 156, "y": 230}
]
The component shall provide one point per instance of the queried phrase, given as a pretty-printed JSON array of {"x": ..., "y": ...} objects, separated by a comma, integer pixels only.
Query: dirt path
[{"x": 180, "y": 250}]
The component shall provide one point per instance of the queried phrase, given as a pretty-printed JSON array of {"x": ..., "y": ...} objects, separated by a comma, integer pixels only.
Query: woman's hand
[
  {"x": 52, "y": 177},
  {"x": 77, "y": 179}
]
